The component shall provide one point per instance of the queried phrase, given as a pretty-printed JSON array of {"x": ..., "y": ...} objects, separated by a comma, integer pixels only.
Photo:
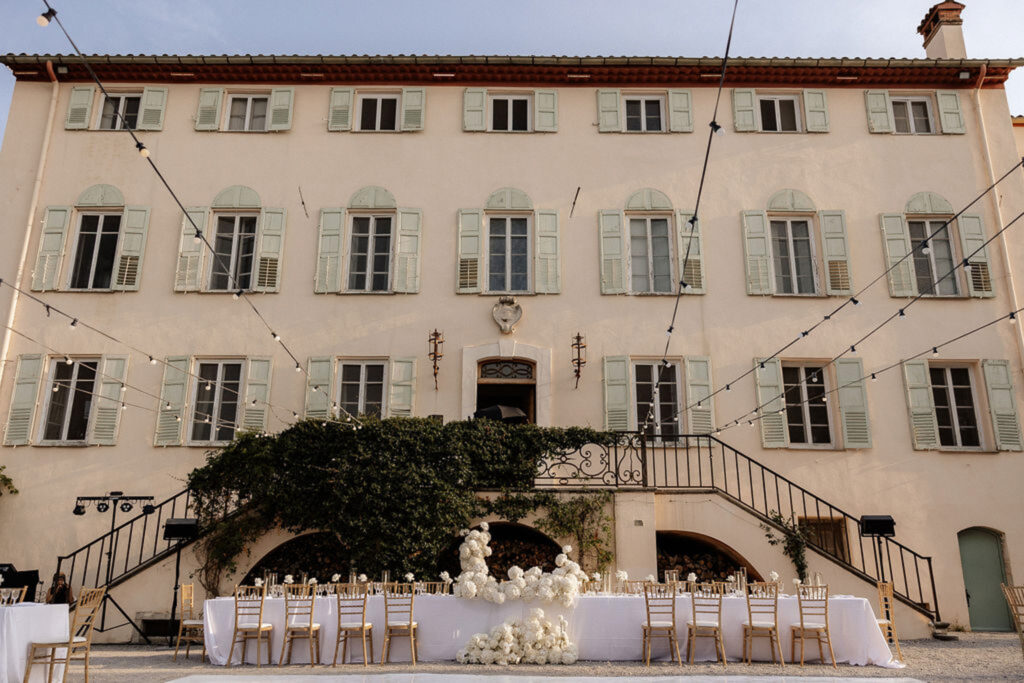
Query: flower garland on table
[
  {"x": 535, "y": 640},
  {"x": 561, "y": 585}
]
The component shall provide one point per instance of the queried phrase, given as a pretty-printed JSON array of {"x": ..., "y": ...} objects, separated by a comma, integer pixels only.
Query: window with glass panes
[
  {"x": 70, "y": 399},
  {"x": 912, "y": 115},
  {"x": 955, "y": 411},
  {"x": 247, "y": 112},
  {"x": 95, "y": 251},
  {"x": 378, "y": 112},
  {"x": 650, "y": 254},
  {"x": 218, "y": 388},
  {"x": 362, "y": 387},
  {"x": 779, "y": 114},
  {"x": 793, "y": 256},
  {"x": 644, "y": 114},
  {"x": 508, "y": 254},
  {"x": 659, "y": 412},
  {"x": 934, "y": 260},
  {"x": 233, "y": 245},
  {"x": 510, "y": 113},
  {"x": 807, "y": 415},
  {"x": 369, "y": 268},
  {"x": 120, "y": 112}
]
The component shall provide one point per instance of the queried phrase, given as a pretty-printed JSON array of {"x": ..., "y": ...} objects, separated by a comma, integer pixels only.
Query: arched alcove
[
  {"x": 648, "y": 199},
  {"x": 511, "y": 544},
  {"x": 509, "y": 199},
  {"x": 237, "y": 197},
  {"x": 928, "y": 202},
  {"x": 790, "y": 200},
  {"x": 100, "y": 195},
  {"x": 372, "y": 197},
  {"x": 317, "y": 554},
  {"x": 707, "y": 557}
]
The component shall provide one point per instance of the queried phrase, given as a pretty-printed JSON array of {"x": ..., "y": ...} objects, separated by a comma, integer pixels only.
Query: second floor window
[
  {"x": 912, "y": 115},
  {"x": 510, "y": 113},
  {"x": 362, "y": 387},
  {"x": 807, "y": 415},
  {"x": 70, "y": 400},
  {"x": 650, "y": 254},
  {"x": 120, "y": 112},
  {"x": 793, "y": 256},
  {"x": 378, "y": 112},
  {"x": 934, "y": 260},
  {"x": 779, "y": 114},
  {"x": 661, "y": 409},
  {"x": 233, "y": 246},
  {"x": 217, "y": 391},
  {"x": 644, "y": 114},
  {"x": 95, "y": 251},
  {"x": 247, "y": 112},
  {"x": 955, "y": 413},
  {"x": 370, "y": 256},
  {"x": 508, "y": 254}
]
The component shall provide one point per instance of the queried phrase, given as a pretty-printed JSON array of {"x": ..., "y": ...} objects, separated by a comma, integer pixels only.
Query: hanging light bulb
[
  {"x": 855, "y": 301},
  {"x": 55, "y": 387},
  {"x": 935, "y": 350},
  {"x": 902, "y": 314},
  {"x": 124, "y": 406},
  {"x": 67, "y": 360},
  {"x": 925, "y": 247},
  {"x": 716, "y": 128},
  {"x": 276, "y": 336},
  {"x": 728, "y": 387},
  {"x": 1013, "y": 317},
  {"x": 143, "y": 152},
  {"x": 152, "y": 361},
  {"x": 236, "y": 295},
  {"x": 74, "y": 323},
  {"x": 874, "y": 378},
  {"x": 198, "y": 237},
  {"x": 967, "y": 266},
  {"x": 298, "y": 368},
  {"x": 46, "y": 17},
  {"x": 853, "y": 348},
  {"x": 209, "y": 386}
]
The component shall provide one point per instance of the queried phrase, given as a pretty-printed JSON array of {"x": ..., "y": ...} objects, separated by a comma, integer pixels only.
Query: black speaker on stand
[
  {"x": 878, "y": 527},
  {"x": 183, "y": 530}
]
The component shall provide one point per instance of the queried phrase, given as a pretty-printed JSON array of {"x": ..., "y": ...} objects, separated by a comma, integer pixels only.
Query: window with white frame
[
  {"x": 510, "y": 113},
  {"x": 70, "y": 399},
  {"x": 793, "y": 255},
  {"x": 934, "y": 261},
  {"x": 644, "y": 113},
  {"x": 955, "y": 407},
  {"x": 808, "y": 419},
  {"x": 234, "y": 244},
  {"x": 247, "y": 112},
  {"x": 120, "y": 111},
  {"x": 657, "y": 414},
  {"x": 217, "y": 389},
  {"x": 378, "y": 112},
  {"x": 508, "y": 254},
  {"x": 650, "y": 254},
  {"x": 779, "y": 113},
  {"x": 95, "y": 251},
  {"x": 362, "y": 387},
  {"x": 912, "y": 115},
  {"x": 369, "y": 267}
]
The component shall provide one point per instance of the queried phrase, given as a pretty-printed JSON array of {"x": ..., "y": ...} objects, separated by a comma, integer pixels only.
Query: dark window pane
[
  {"x": 901, "y": 117},
  {"x": 520, "y": 116},
  {"x": 83, "y": 259},
  {"x": 922, "y": 124},
  {"x": 634, "y": 120},
  {"x": 768, "y": 120},
  {"x": 653, "y": 114},
  {"x": 81, "y": 401},
  {"x": 368, "y": 116},
  {"x": 388, "y": 113},
  {"x": 787, "y": 114},
  {"x": 131, "y": 112},
  {"x": 258, "y": 115},
  {"x": 499, "y": 114},
  {"x": 105, "y": 258}
]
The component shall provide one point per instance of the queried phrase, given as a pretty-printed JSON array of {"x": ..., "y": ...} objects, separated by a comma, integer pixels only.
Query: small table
[{"x": 23, "y": 624}]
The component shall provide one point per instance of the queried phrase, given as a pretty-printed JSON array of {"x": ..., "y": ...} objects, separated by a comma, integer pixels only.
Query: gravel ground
[{"x": 976, "y": 656}]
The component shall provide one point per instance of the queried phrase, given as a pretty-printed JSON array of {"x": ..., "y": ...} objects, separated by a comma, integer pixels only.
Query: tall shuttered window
[
  {"x": 650, "y": 254},
  {"x": 247, "y": 112},
  {"x": 120, "y": 112},
  {"x": 370, "y": 256},
  {"x": 807, "y": 415},
  {"x": 70, "y": 399},
  {"x": 955, "y": 407},
  {"x": 217, "y": 393},
  {"x": 95, "y": 251},
  {"x": 508, "y": 254},
  {"x": 657, "y": 414},
  {"x": 378, "y": 112},
  {"x": 510, "y": 113},
  {"x": 934, "y": 260},
  {"x": 644, "y": 114},
  {"x": 362, "y": 387},
  {"x": 234, "y": 244},
  {"x": 793, "y": 256},
  {"x": 779, "y": 113},
  {"x": 912, "y": 115}
]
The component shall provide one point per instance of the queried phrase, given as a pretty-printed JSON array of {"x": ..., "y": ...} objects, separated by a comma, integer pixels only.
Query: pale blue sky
[{"x": 684, "y": 28}]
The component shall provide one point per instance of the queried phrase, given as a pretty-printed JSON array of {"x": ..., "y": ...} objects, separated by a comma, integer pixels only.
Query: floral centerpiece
[{"x": 535, "y": 640}]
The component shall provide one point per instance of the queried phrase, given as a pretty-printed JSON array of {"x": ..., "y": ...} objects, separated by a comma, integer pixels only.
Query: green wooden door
[{"x": 981, "y": 555}]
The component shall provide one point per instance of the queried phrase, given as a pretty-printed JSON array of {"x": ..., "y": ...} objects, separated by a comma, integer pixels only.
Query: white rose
[
  {"x": 446, "y": 577},
  {"x": 288, "y": 578},
  {"x": 256, "y": 582},
  {"x": 560, "y": 559},
  {"x": 312, "y": 582},
  {"x": 621, "y": 575},
  {"x": 691, "y": 577},
  {"x": 773, "y": 576},
  {"x": 566, "y": 549},
  {"x": 730, "y": 578},
  {"x": 484, "y": 526},
  {"x": 650, "y": 578},
  {"x": 335, "y": 578},
  {"x": 596, "y": 576},
  {"x": 797, "y": 582},
  {"x": 409, "y": 577},
  {"x": 362, "y": 578}
]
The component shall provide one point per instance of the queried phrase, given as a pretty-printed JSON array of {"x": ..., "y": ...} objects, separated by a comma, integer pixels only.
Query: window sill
[
  {"x": 782, "y": 132},
  {"x": 810, "y": 295},
  {"x": 507, "y": 294},
  {"x": 652, "y": 293},
  {"x": 63, "y": 444},
  {"x": 964, "y": 449},
  {"x": 814, "y": 447},
  {"x": 224, "y": 130},
  {"x": 357, "y": 292},
  {"x": 375, "y": 131}
]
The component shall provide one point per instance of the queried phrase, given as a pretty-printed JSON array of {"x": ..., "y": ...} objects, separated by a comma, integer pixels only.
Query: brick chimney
[{"x": 943, "y": 35}]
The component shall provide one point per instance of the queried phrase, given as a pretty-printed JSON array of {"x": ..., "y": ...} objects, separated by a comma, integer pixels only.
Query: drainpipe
[
  {"x": 1011, "y": 288},
  {"x": 40, "y": 167}
]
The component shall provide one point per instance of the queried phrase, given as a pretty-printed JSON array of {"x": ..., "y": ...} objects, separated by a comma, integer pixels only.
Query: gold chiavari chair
[
  {"x": 352, "y": 620},
  {"x": 671, "y": 575},
  {"x": 707, "y": 619},
  {"x": 633, "y": 586},
  {"x": 298, "y": 621},
  {"x": 190, "y": 627},
  {"x": 249, "y": 624},
  {"x": 398, "y": 620},
  {"x": 1015, "y": 599},
  {"x": 887, "y": 616},
  {"x": 431, "y": 587},
  {"x": 591, "y": 587},
  {"x": 762, "y": 619},
  {"x": 813, "y": 601},
  {"x": 78, "y": 646},
  {"x": 660, "y": 601},
  {"x": 12, "y": 596}
]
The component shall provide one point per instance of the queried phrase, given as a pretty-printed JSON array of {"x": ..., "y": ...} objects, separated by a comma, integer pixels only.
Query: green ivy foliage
[
  {"x": 793, "y": 540},
  {"x": 6, "y": 483}
]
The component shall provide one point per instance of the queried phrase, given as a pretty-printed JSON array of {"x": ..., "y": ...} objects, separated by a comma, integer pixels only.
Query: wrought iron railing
[{"x": 702, "y": 462}]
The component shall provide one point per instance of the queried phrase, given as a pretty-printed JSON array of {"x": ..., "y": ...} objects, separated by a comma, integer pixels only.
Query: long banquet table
[
  {"x": 23, "y": 624},
  {"x": 604, "y": 628}
]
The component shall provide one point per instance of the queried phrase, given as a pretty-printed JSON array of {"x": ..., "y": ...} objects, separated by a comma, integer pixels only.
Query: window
[
  {"x": 247, "y": 112},
  {"x": 650, "y": 254},
  {"x": 510, "y": 113},
  {"x": 370, "y": 257},
  {"x": 644, "y": 114},
  {"x": 378, "y": 112},
  {"x": 934, "y": 260},
  {"x": 233, "y": 246},
  {"x": 120, "y": 112},
  {"x": 362, "y": 387},
  {"x": 807, "y": 416},
  {"x": 217, "y": 390},
  {"x": 955, "y": 411},
  {"x": 779, "y": 113},
  {"x": 508, "y": 254},
  {"x": 912, "y": 115},
  {"x": 95, "y": 251},
  {"x": 793, "y": 256},
  {"x": 70, "y": 400},
  {"x": 663, "y": 406},
  {"x": 828, "y": 533}
]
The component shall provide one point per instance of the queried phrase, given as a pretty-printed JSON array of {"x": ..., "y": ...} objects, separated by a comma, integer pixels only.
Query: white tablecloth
[
  {"x": 605, "y": 628},
  {"x": 25, "y": 623}
]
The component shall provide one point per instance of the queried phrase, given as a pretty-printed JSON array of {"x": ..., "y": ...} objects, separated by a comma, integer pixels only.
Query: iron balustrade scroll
[{"x": 623, "y": 464}]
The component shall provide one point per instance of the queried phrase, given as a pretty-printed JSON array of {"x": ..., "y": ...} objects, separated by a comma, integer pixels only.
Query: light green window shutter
[
  {"x": 744, "y": 113},
  {"x": 547, "y": 270},
  {"x": 23, "y": 400},
  {"x": 972, "y": 238},
  {"x": 837, "y": 253},
  {"x": 680, "y": 111},
  {"x": 151, "y": 114},
  {"x": 189, "y": 274},
  {"x": 617, "y": 394},
  {"x": 613, "y": 252},
  {"x": 328, "y": 251},
  {"x": 339, "y": 115},
  {"x": 51, "y": 248},
  {"x": 402, "y": 389},
  {"x": 1002, "y": 404},
  {"x": 474, "y": 109},
  {"x": 106, "y": 412},
  {"x": 902, "y": 280},
  {"x": 407, "y": 260},
  {"x": 950, "y": 115},
  {"x": 319, "y": 383},
  {"x": 80, "y": 107},
  {"x": 470, "y": 250},
  {"x": 281, "y": 103},
  {"x": 879, "y": 108},
  {"x": 816, "y": 111},
  {"x": 700, "y": 419},
  {"x": 414, "y": 102},
  {"x": 924, "y": 428},
  {"x": 131, "y": 248},
  {"x": 768, "y": 375},
  {"x": 853, "y": 403},
  {"x": 691, "y": 252},
  {"x": 757, "y": 252},
  {"x": 545, "y": 111},
  {"x": 171, "y": 413},
  {"x": 270, "y": 250},
  {"x": 208, "y": 111},
  {"x": 608, "y": 116},
  {"x": 257, "y": 394}
]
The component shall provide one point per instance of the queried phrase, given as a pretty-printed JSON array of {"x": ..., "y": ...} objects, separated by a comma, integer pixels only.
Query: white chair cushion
[
  {"x": 883, "y": 622},
  {"x": 760, "y": 624},
  {"x": 78, "y": 639},
  {"x": 355, "y": 624},
  {"x": 706, "y": 623},
  {"x": 661, "y": 624},
  {"x": 192, "y": 622},
  {"x": 252, "y": 626},
  {"x": 401, "y": 624},
  {"x": 302, "y": 624},
  {"x": 809, "y": 625}
]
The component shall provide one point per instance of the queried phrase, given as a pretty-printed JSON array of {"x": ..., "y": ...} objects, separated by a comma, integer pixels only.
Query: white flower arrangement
[
  {"x": 446, "y": 577},
  {"x": 409, "y": 577},
  {"x": 335, "y": 578},
  {"x": 773, "y": 576},
  {"x": 312, "y": 582},
  {"x": 288, "y": 578},
  {"x": 731, "y": 578},
  {"x": 535, "y": 640},
  {"x": 691, "y": 577},
  {"x": 596, "y": 576},
  {"x": 650, "y": 578},
  {"x": 621, "y": 575},
  {"x": 362, "y": 578},
  {"x": 256, "y": 582},
  {"x": 797, "y": 582}
]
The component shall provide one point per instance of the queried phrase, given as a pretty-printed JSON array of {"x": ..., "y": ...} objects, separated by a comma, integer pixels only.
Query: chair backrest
[
  {"x": 398, "y": 603},
  {"x": 1015, "y": 599},
  {"x": 885, "y": 610},
  {"x": 633, "y": 586},
  {"x": 660, "y": 600},
  {"x": 431, "y": 587},
  {"x": 188, "y": 600},
  {"x": 813, "y": 601},
  {"x": 298, "y": 603},
  {"x": 351, "y": 599},
  {"x": 707, "y": 603},
  {"x": 763, "y": 602},
  {"x": 84, "y": 616},
  {"x": 249, "y": 605},
  {"x": 671, "y": 575},
  {"x": 12, "y": 596}
]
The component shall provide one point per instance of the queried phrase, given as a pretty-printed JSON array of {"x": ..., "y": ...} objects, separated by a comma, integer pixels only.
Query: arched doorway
[
  {"x": 507, "y": 382},
  {"x": 318, "y": 555},
  {"x": 708, "y": 558},
  {"x": 511, "y": 545},
  {"x": 981, "y": 556}
]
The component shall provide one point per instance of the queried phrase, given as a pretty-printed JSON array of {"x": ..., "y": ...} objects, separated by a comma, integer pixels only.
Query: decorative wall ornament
[
  {"x": 435, "y": 350},
  {"x": 507, "y": 312}
]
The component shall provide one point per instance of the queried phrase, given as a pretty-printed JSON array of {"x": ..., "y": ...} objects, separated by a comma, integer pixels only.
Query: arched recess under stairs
[
  {"x": 318, "y": 555},
  {"x": 707, "y": 557}
]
